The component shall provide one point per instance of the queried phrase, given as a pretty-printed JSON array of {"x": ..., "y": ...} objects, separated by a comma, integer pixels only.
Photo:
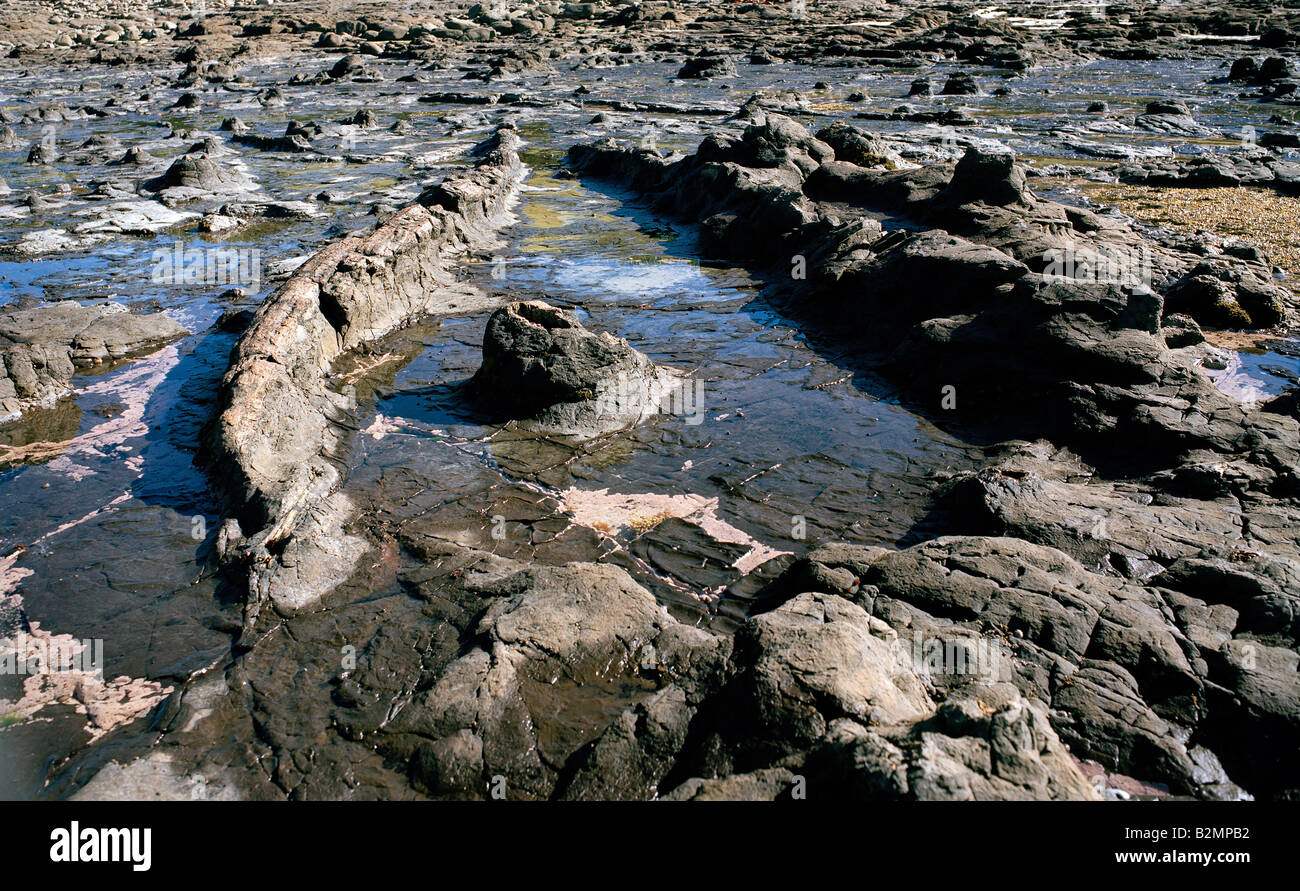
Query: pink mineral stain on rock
[{"x": 601, "y": 510}]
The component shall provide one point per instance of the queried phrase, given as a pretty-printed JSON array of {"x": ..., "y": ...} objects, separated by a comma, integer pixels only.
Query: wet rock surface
[
  {"x": 41, "y": 348},
  {"x": 1013, "y": 309},
  {"x": 277, "y": 436},
  {"x": 982, "y": 498},
  {"x": 539, "y": 363},
  {"x": 1117, "y": 377}
]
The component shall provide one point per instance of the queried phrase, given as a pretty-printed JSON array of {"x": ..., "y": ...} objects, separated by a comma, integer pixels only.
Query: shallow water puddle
[
  {"x": 788, "y": 447},
  {"x": 1256, "y": 373}
]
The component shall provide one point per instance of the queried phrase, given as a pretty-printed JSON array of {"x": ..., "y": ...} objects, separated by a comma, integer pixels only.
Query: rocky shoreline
[
  {"x": 276, "y": 441},
  {"x": 1103, "y": 602},
  {"x": 970, "y": 303}
]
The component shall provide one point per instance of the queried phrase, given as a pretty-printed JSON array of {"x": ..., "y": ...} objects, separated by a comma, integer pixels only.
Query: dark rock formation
[
  {"x": 1056, "y": 299},
  {"x": 703, "y": 67},
  {"x": 1092, "y": 601},
  {"x": 815, "y": 689},
  {"x": 198, "y": 176},
  {"x": 820, "y": 693},
  {"x": 542, "y": 367},
  {"x": 960, "y": 85}
]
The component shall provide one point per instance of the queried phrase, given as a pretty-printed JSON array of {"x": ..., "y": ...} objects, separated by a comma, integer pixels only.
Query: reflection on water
[{"x": 793, "y": 449}]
